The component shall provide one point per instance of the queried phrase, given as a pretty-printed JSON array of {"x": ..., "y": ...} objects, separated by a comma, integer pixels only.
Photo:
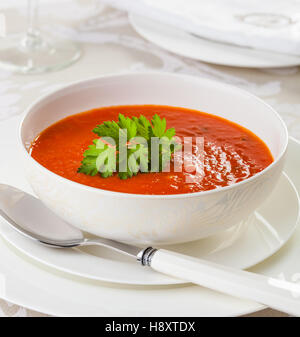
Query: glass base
[{"x": 35, "y": 54}]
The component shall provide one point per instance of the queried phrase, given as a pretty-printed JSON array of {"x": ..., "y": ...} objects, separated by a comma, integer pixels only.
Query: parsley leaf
[
  {"x": 129, "y": 125},
  {"x": 104, "y": 155},
  {"x": 99, "y": 157},
  {"x": 144, "y": 127},
  {"x": 159, "y": 126},
  {"x": 88, "y": 164},
  {"x": 108, "y": 129},
  {"x": 106, "y": 161}
]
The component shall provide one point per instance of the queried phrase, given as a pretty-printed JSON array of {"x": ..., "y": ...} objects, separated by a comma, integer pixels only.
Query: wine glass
[{"x": 34, "y": 52}]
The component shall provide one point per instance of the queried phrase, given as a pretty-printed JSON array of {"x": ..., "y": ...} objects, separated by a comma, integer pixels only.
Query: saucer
[{"x": 242, "y": 246}]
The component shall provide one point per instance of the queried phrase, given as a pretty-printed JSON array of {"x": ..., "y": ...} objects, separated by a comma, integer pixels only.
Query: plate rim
[{"x": 45, "y": 308}]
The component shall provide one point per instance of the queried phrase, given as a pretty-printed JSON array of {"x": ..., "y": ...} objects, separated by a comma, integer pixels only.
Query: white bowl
[{"x": 154, "y": 219}]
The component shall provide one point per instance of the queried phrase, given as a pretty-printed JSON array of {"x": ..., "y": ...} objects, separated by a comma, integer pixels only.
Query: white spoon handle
[{"x": 275, "y": 293}]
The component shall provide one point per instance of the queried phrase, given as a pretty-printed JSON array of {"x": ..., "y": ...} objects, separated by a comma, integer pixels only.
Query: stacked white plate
[{"x": 195, "y": 47}]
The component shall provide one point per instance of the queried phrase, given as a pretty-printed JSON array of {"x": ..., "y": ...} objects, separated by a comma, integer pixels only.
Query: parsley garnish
[{"x": 126, "y": 147}]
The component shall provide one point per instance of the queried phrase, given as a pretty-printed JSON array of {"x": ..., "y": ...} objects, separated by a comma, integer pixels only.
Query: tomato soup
[{"x": 231, "y": 152}]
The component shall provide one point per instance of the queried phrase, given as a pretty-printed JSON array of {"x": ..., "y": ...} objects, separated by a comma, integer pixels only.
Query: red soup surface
[{"x": 231, "y": 152}]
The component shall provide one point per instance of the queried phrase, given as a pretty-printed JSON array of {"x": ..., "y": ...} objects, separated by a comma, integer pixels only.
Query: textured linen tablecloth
[{"x": 110, "y": 45}]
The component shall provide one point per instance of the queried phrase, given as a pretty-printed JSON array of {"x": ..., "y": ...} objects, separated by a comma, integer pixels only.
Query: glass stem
[
  {"x": 32, "y": 39},
  {"x": 32, "y": 8}
]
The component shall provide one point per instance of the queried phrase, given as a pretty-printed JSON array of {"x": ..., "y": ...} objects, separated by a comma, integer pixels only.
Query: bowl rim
[{"x": 75, "y": 84}]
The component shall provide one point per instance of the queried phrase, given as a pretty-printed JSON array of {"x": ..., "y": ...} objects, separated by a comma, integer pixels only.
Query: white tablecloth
[{"x": 110, "y": 45}]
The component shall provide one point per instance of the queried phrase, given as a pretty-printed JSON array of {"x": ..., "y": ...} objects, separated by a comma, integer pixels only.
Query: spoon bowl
[{"x": 44, "y": 226}]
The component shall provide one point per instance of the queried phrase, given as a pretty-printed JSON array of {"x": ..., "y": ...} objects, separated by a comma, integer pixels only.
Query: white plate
[
  {"x": 24, "y": 282},
  {"x": 185, "y": 44},
  {"x": 267, "y": 230}
]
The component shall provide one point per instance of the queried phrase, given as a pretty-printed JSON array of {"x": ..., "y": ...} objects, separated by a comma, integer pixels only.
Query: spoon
[{"x": 30, "y": 217}]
